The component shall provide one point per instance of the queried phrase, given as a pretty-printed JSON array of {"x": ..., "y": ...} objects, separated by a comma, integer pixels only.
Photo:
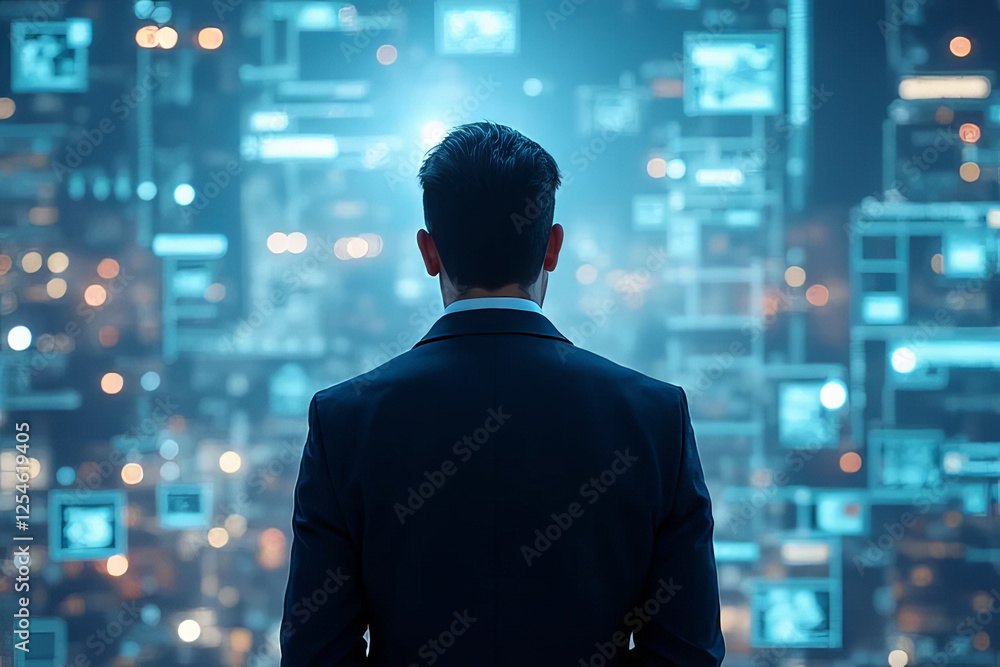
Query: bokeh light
[
  {"x": 112, "y": 383},
  {"x": 210, "y": 38},
  {"x": 960, "y": 46},
  {"x": 230, "y": 462}
]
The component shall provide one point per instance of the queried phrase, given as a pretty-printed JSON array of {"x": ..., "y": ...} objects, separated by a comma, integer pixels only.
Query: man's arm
[
  {"x": 685, "y": 630},
  {"x": 324, "y": 619}
]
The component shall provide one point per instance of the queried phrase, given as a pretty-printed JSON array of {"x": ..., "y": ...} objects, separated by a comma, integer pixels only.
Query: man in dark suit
[{"x": 496, "y": 496}]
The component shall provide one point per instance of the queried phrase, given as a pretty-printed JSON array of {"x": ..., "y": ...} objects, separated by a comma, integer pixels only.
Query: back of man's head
[{"x": 489, "y": 200}]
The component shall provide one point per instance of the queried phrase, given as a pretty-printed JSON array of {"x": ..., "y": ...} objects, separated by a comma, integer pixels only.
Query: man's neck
[{"x": 508, "y": 291}]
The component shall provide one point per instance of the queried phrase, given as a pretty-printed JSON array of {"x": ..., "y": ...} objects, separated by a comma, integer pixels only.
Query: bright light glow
[
  {"x": 210, "y": 38},
  {"x": 146, "y": 36},
  {"x": 143, "y": 8},
  {"x": 19, "y": 338},
  {"x": 112, "y": 383},
  {"x": 230, "y": 462},
  {"x": 818, "y": 295},
  {"x": 960, "y": 46},
  {"x": 299, "y": 147},
  {"x": 150, "y": 380},
  {"x": 586, "y": 274},
  {"x": 969, "y": 133},
  {"x": 357, "y": 247},
  {"x": 184, "y": 194},
  {"x": 941, "y": 87},
  {"x": 95, "y": 295},
  {"x": 7, "y": 108},
  {"x": 215, "y": 293},
  {"x": 117, "y": 565},
  {"x": 833, "y": 395},
  {"x": 208, "y": 246},
  {"x": 676, "y": 168},
  {"x": 656, "y": 168},
  {"x": 189, "y": 630},
  {"x": 170, "y": 471},
  {"x": 719, "y": 177},
  {"x": 297, "y": 243},
  {"x": 218, "y": 537},
  {"x": 65, "y": 475},
  {"x": 269, "y": 121},
  {"x": 899, "y": 658},
  {"x": 132, "y": 473},
  {"x": 969, "y": 172},
  {"x": 166, "y": 37},
  {"x": 56, "y": 288},
  {"x": 58, "y": 262},
  {"x": 162, "y": 13},
  {"x": 904, "y": 360},
  {"x": 432, "y": 133},
  {"x": 795, "y": 276},
  {"x": 108, "y": 268},
  {"x": 277, "y": 242},
  {"x": 386, "y": 54},
  {"x": 146, "y": 190},
  {"x": 533, "y": 87},
  {"x": 31, "y": 262},
  {"x": 169, "y": 449},
  {"x": 850, "y": 462}
]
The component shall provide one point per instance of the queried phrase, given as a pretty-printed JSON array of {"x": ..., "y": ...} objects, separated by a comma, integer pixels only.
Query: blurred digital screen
[
  {"x": 649, "y": 212},
  {"x": 50, "y": 56},
  {"x": 905, "y": 459},
  {"x": 86, "y": 528},
  {"x": 803, "y": 422},
  {"x": 184, "y": 505},
  {"x": 964, "y": 256},
  {"x": 470, "y": 28},
  {"x": 802, "y": 613},
  {"x": 47, "y": 644},
  {"x": 882, "y": 309},
  {"x": 971, "y": 459},
  {"x": 841, "y": 513},
  {"x": 737, "y": 73}
]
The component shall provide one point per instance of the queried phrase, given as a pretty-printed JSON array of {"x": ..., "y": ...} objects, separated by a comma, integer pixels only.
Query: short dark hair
[{"x": 489, "y": 200}]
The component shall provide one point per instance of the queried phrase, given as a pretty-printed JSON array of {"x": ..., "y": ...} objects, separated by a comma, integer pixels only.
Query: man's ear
[
  {"x": 432, "y": 262},
  {"x": 553, "y": 248}
]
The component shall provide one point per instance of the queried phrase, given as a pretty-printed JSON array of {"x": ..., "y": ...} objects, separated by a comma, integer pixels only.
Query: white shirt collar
[{"x": 513, "y": 303}]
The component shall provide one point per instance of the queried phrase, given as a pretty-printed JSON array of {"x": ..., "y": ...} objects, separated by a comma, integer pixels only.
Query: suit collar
[{"x": 492, "y": 321}]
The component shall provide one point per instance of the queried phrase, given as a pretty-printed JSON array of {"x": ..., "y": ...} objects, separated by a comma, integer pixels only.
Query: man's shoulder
[{"x": 600, "y": 367}]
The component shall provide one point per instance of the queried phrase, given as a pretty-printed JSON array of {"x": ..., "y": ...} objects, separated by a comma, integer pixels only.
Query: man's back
[{"x": 497, "y": 496}]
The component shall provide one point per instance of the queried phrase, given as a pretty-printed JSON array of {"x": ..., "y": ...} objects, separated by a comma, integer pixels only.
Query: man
[{"x": 496, "y": 496}]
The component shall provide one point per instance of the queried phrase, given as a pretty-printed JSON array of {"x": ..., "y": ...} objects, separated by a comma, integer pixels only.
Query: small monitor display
[
  {"x": 50, "y": 56},
  {"x": 86, "y": 526},
  {"x": 802, "y": 613},
  {"x": 477, "y": 28},
  {"x": 738, "y": 73},
  {"x": 184, "y": 505},
  {"x": 803, "y": 422}
]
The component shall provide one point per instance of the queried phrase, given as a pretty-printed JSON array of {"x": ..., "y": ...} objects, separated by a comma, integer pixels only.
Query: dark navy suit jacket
[{"x": 499, "y": 497}]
